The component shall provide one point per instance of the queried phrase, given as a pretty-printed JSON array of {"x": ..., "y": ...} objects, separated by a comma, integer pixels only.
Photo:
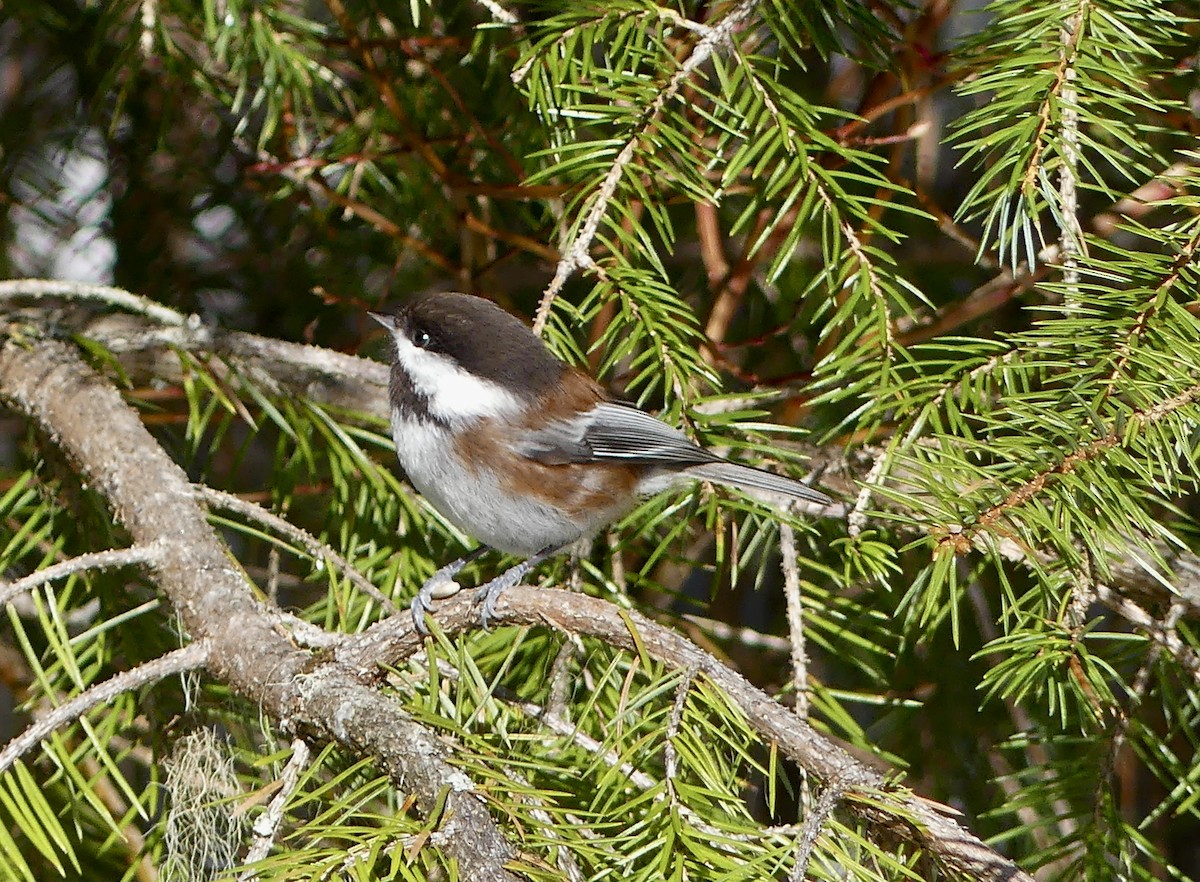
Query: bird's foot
[
  {"x": 490, "y": 592},
  {"x": 438, "y": 587}
]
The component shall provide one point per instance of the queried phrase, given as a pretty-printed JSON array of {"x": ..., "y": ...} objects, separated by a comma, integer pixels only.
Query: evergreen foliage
[{"x": 947, "y": 259}]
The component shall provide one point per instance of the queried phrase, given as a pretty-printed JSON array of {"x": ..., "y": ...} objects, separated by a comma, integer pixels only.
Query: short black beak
[{"x": 382, "y": 318}]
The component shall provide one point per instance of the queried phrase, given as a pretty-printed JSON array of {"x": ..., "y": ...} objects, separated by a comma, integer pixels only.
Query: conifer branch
[
  {"x": 154, "y": 501},
  {"x": 915, "y": 819},
  {"x": 1184, "y": 260},
  {"x": 315, "y": 547},
  {"x": 637, "y": 777},
  {"x": 960, "y": 539},
  {"x": 187, "y": 658},
  {"x": 96, "y": 560},
  {"x": 747, "y": 637},
  {"x": 1048, "y": 419},
  {"x": 575, "y": 253}
]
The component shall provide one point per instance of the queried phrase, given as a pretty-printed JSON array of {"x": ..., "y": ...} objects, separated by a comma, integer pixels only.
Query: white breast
[{"x": 472, "y": 501}]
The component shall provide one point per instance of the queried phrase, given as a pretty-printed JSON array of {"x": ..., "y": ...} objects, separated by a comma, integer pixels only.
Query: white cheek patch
[{"x": 454, "y": 395}]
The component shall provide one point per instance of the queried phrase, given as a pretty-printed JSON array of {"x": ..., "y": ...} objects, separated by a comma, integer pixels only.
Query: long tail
[{"x": 743, "y": 476}]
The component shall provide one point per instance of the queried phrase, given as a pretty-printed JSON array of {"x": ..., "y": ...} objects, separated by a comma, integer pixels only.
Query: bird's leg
[
  {"x": 490, "y": 592},
  {"x": 441, "y": 584}
]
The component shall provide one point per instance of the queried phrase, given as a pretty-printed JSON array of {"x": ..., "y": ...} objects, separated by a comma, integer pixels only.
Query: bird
[{"x": 520, "y": 450}]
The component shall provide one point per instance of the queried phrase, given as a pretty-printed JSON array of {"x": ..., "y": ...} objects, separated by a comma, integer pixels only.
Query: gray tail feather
[{"x": 743, "y": 476}]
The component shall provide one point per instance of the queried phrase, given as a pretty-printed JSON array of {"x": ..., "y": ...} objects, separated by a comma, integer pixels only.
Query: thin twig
[
  {"x": 743, "y": 636},
  {"x": 266, "y": 826},
  {"x": 303, "y": 632},
  {"x": 1035, "y": 754},
  {"x": 38, "y": 288},
  {"x": 96, "y": 560},
  {"x": 319, "y": 375},
  {"x": 795, "y": 617},
  {"x": 575, "y": 254},
  {"x": 674, "y": 724},
  {"x": 558, "y": 702},
  {"x": 1140, "y": 684},
  {"x": 186, "y": 658},
  {"x": 638, "y": 778},
  {"x": 498, "y": 12},
  {"x": 314, "y": 546},
  {"x": 799, "y": 649},
  {"x": 856, "y": 521},
  {"x": 1071, "y": 235},
  {"x": 807, "y": 840},
  {"x": 1158, "y": 631},
  {"x": 149, "y": 25},
  {"x": 550, "y": 827}
]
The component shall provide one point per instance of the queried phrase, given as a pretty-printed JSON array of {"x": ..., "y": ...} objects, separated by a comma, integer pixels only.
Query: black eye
[{"x": 422, "y": 340}]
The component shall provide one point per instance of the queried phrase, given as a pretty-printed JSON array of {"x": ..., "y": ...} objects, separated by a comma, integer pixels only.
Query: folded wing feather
[{"x": 612, "y": 432}]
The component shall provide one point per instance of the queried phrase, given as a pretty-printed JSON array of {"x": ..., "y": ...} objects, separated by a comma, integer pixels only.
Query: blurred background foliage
[{"x": 948, "y": 250}]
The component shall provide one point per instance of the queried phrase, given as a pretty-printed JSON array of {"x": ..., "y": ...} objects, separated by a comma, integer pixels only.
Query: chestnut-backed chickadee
[{"x": 520, "y": 450}]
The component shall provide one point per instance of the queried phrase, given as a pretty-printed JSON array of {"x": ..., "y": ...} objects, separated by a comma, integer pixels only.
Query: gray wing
[
  {"x": 616, "y": 433},
  {"x": 612, "y": 432}
]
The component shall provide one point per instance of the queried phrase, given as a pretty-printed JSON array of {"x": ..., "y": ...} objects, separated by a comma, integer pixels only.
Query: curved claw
[
  {"x": 438, "y": 586},
  {"x": 490, "y": 593},
  {"x": 419, "y": 608},
  {"x": 441, "y": 584}
]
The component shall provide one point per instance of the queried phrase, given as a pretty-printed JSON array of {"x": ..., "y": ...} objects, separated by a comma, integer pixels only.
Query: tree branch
[
  {"x": 320, "y": 375},
  {"x": 37, "y": 289},
  {"x": 575, "y": 254},
  {"x": 153, "y": 499},
  {"x": 914, "y": 819},
  {"x": 187, "y": 658},
  {"x": 96, "y": 560}
]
